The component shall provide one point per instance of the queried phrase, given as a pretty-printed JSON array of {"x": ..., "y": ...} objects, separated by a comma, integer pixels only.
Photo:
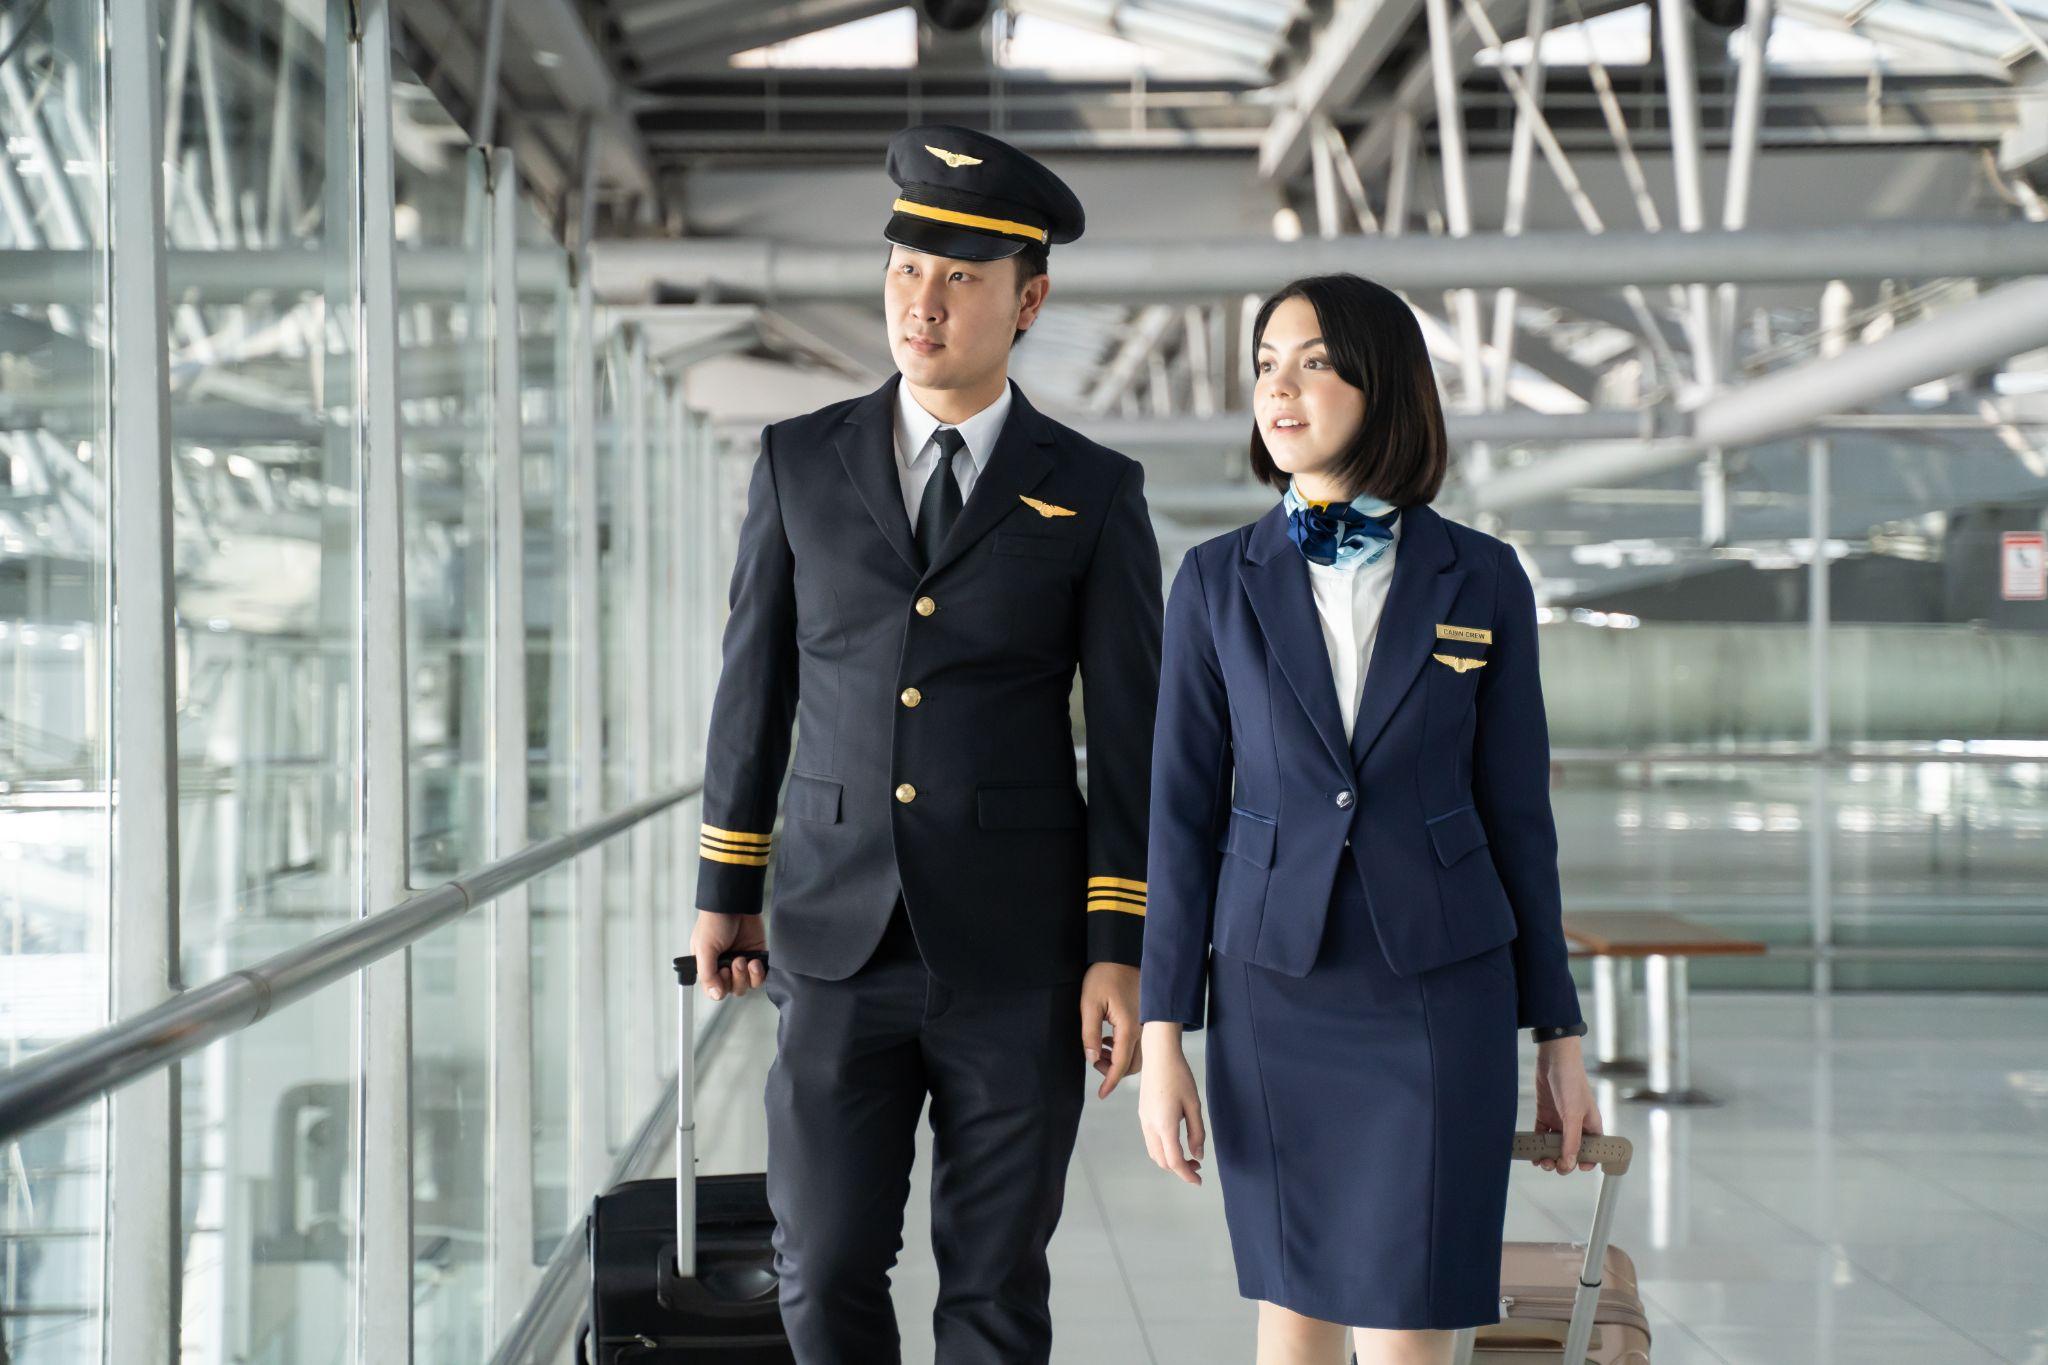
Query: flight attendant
[{"x": 1352, "y": 860}]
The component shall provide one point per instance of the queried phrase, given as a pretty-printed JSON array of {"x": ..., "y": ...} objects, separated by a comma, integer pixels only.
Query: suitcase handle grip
[
  {"x": 686, "y": 966},
  {"x": 1612, "y": 1154}
]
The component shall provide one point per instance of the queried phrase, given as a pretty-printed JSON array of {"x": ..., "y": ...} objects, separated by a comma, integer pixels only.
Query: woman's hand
[
  {"x": 1564, "y": 1102},
  {"x": 1167, "y": 1098}
]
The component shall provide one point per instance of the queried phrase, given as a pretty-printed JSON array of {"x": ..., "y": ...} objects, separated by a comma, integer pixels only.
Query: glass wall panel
[
  {"x": 55, "y": 835},
  {"x": 259, "y": 125},
  {"x": 1682, "y": 699},
  {"x": 444, "y": 317},
  {"x": 444, "y": 417},
  {"x": 546, "y": 336},
  {"x": 271, "y": 1178}
]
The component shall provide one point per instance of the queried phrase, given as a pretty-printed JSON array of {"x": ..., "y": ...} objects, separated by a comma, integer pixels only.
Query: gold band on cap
[{"x": 973, "y": 220}]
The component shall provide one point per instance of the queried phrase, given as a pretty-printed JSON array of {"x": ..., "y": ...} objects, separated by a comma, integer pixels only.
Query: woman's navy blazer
[{"x": 1443, "y": 791}]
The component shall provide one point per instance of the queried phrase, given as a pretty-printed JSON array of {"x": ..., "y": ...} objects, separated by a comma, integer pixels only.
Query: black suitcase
[{"x": 717, "y": 1300}]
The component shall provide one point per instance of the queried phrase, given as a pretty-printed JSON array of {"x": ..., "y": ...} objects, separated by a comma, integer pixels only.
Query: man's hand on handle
[{"x": 717, "y": 934}]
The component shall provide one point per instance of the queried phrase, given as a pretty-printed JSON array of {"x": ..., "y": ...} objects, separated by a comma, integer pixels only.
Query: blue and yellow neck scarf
[{"x": 1346, "y": 535}]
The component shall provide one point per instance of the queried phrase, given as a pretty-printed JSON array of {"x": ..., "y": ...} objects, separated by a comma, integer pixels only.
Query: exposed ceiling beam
[
  {"x": 1986, "y": 331},
  {"x": 584, "y": 82},
  {"x": 1342, "y": 58},
  {"x": 715, "y": 36},
  {"x": 1192, "y": 269}
]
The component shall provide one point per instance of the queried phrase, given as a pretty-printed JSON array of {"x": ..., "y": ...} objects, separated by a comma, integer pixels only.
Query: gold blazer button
[
  {"x": 925, "y": 606},
  {"x": 911, "y": 696},
  {"x": 906, "y": 793}
]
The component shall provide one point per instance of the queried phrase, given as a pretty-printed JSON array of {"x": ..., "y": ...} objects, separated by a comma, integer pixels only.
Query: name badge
[{"x": 1474, "y": 634}]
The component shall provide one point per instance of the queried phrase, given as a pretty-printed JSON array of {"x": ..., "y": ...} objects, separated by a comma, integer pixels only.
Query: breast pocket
[{"x": 1030, "y": 546}]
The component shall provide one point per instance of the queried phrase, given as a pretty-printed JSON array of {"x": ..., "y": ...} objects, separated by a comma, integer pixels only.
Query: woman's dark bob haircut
[{"x": 1376, "y": 346}]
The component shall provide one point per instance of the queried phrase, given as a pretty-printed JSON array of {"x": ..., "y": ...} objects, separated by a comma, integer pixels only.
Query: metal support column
[
  {"x": 1668, "y": 1001},
  {"x": 384, "y": 1222},
  {"x": 143, "y": 1274},
  {"x": 1614, "y": 1018},
  {"x": 1820, "y": 873},
  {"x": 511, "y": 1069},
  {"x": 1450, "y": 128}
]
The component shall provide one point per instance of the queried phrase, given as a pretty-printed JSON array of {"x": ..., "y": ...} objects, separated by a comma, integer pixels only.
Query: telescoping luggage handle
[
  {"x": 1612, "y": 1154},
  {"x": 686, "y": 1107}
]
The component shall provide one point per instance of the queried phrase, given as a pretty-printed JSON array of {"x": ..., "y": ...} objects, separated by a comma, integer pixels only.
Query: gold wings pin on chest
[
  {"x": 1458, "y": 662},
  {"x": 953, "y": 159},
  {"x": 1047, "y": 509}
]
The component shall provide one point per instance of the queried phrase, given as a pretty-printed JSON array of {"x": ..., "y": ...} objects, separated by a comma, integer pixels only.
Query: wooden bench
[{"x": 1663, "y": 942}]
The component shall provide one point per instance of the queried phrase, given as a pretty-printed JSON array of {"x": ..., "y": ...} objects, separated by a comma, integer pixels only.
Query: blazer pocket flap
[
  {"x": 1029, "y": 807},
  {"x": 1042, "y": 547},
  {"x": 1250, "y": 837},
  {"x": 812, "y": 798},
  {"x": 1456, "y": 833}
]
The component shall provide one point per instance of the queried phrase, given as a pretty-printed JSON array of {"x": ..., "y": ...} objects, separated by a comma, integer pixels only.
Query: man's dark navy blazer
[
  {"x": 934, "y": 748},
  {"x": 1443, "y": 791}
]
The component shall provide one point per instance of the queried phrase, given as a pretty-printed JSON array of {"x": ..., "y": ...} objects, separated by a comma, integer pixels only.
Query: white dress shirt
[
  {"x": 917, "y": 455},
  {"x": 1349, "y": 602}
]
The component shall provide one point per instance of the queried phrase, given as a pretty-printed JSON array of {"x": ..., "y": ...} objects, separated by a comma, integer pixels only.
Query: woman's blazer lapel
[
  {"x": 1425, "y": 583},
  {"x": 1275, "y": 578}
]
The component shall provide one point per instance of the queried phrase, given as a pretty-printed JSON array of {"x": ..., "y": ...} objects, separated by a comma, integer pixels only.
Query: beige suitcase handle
[{"x": 1610, "y": 1153}]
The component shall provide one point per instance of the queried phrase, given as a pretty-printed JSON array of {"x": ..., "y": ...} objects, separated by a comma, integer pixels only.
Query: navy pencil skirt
[{"x": 1360, "y": 1124}]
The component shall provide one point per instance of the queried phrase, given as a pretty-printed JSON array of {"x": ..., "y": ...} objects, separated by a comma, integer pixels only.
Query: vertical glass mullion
[
  {"x": 639, "y": 711},
  {"x": 142, "y": 1220},
  {"x": 511, "y": 1070},
  {"x": 382, "y": 1320},
  {"x": 590, "y": 1096}
]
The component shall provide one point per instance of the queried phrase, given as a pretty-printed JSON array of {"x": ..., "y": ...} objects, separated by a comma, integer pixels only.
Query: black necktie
[{"x": 941, "y": 505}]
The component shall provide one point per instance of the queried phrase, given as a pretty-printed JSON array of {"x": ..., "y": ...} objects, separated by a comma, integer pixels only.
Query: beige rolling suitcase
[{"x": 1565, "y": 1301}]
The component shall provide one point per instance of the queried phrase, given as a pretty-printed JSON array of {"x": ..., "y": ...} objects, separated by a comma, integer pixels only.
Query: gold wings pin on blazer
[
  {"x": 1458, "y": 662},
  {"x": 1047, "y": 509}
]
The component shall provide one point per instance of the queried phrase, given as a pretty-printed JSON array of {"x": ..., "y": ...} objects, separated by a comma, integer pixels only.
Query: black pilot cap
[{"x": 972, "y": 197}]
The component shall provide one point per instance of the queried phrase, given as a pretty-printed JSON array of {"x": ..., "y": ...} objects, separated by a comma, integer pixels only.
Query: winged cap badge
[
  {"x": 953, "y": 159},
  {"x": 1047, "y": 509}
]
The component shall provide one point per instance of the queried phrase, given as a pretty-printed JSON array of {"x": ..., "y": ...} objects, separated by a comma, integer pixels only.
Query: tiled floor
[{"x": 1874, "y": 1190}]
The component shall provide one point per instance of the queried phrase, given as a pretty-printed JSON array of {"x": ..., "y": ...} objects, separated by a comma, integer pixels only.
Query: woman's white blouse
[{"x": 1349, "y": 602}]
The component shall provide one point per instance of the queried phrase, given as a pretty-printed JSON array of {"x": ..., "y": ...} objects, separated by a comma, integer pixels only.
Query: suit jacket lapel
[
  {"x": 1016, "y": 465},
  {"x": 1275, "y": 578},
  {"x": 1424, "y": 586},
  {"x": 867, "y": 446}
]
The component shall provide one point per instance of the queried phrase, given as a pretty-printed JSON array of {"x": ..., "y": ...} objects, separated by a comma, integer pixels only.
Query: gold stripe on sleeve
[
  {"x": 719, "y": 855},
  {"x": 734, "y": 836},
  {"x": 1122, "y": 907},
  {"x": 1123, "y": 883},
  {"x": 740, "y": 845}
]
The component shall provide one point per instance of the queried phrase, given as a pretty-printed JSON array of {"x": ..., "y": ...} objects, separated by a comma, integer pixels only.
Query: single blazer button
[
  {"x": 906, "y": 793},
  {"x": 911, "y": 696},
  {"x": 925, "y": 606},
  {"x": 1344, "y": 800}
]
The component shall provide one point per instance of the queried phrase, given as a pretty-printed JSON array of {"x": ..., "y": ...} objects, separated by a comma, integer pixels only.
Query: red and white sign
[{"x": 2023, "y": 566}]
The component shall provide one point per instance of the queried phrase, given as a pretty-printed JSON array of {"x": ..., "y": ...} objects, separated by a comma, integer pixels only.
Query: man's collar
[{"x": 914, "y": 426}]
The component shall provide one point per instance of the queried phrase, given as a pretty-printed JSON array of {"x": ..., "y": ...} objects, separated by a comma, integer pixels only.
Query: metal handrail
[{"x": 83, "y": 1068}]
